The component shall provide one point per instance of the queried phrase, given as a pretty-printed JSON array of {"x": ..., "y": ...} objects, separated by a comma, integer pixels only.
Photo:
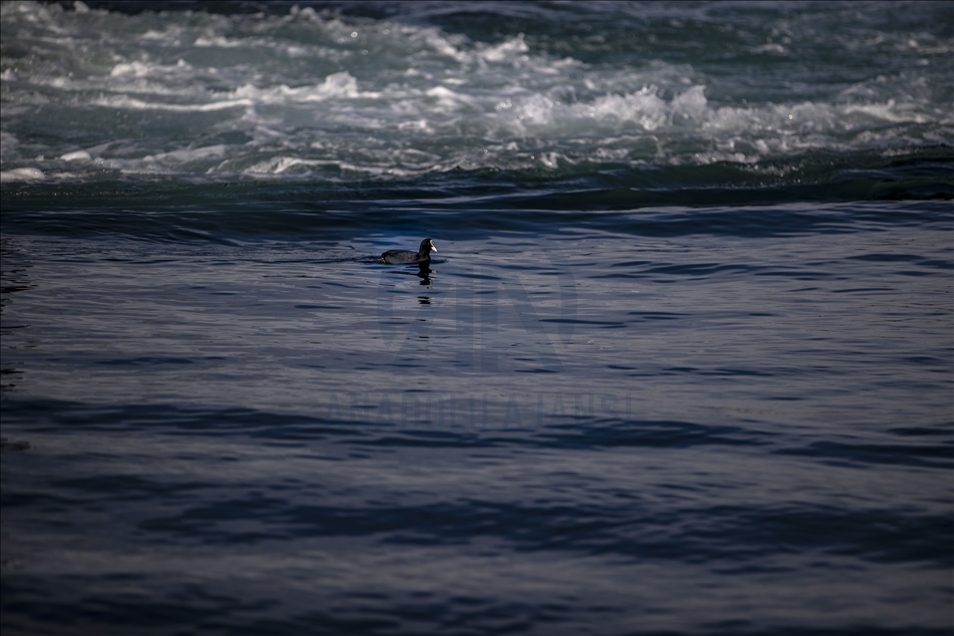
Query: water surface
[{"x": 683, "y": 363}]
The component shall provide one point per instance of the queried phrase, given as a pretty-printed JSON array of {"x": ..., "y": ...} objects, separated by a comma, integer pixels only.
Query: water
[{"x": 683, "y": 363}]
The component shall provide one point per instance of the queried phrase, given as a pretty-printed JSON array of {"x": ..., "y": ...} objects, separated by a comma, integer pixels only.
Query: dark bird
[{"x": 407, "y": 257}]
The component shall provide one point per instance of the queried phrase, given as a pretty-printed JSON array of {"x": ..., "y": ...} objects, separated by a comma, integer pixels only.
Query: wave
[{"x": 308, "y": 94}]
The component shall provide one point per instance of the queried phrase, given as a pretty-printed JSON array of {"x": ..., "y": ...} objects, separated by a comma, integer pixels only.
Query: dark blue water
[{"x": 682, "y": 364}]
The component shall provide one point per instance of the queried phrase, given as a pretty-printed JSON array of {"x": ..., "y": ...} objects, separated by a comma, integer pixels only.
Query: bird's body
[{"x": 407, "y": 257}]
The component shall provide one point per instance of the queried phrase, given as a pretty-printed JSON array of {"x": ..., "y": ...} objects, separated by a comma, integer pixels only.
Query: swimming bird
[{"x": 407, "y": 257}]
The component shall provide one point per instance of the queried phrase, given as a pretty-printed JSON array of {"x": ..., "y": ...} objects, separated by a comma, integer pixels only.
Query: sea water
[{"x": 682, "y": 364}]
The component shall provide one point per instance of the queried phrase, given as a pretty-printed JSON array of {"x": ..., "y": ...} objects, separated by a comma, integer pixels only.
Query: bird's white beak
[{"x": 433, "y": 249}]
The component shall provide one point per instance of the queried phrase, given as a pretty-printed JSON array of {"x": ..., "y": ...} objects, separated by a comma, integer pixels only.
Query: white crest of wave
[
  {"x": 309, "y": 91},
  {"x": 21, "y": 174},
  {"x": 137, "y": 68},
  {"x": 337, "y": 85}
]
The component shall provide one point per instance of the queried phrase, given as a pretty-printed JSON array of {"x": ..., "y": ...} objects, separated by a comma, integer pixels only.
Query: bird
[{"x": 407, "y": 257}]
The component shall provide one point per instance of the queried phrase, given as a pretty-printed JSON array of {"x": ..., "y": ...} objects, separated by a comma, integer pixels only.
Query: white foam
[
  {"x": 77, "y": 155},
  {"x": 771, "y": 47},
  {"x": 132, "y": 103},
  {"x": 146, "y": 69},
  {"x": 509, "y": 50},
  {"x": 309, "y": 91},
  {"x": 21, "y": 174}
]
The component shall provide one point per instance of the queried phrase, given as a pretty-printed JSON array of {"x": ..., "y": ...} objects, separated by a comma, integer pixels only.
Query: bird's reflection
[{"x": 424, "y": 273}]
